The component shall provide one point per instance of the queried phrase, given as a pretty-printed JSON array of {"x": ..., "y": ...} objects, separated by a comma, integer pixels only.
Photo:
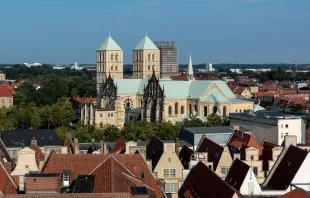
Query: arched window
[
  {"x": 101, "y": 125},
  {"x": 190, "y": 109},
  {"x": 108, "y": 114},
  {"x": 112, "y": 56},
  {"x": 205, "y": 111},
  {"x": 116, "y": 57},
  {"x": 141, "y": 103},
  {"x": 149, "y": 57},
  {"x": 136, "y": 56},
  {"x": 153, "y": 57},
  {"x": 236, "y": 110},
  {"x": 100, "y": 115},
  {"x": 170, "y": 110},
  {"x": 240, "y": 110},
  {"x": 196, "y": 110},
  {"x": 182, "y": 109},
  {"x": 141, "y": 56},
  {"x": 224, "y": 111},
  {"x": 116, "y": 68},
  {"x": 244, "y": 110},
  {"x": 102, "y": 59},
  {"x": 112, "y": 68},
  {"x": 214, "y": 109},
  {"x": 149, "y": 67},
  {"x": 176, "y": 108}
]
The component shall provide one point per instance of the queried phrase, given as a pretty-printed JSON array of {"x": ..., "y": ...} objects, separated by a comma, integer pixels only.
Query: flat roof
[{"x": 214, "y": 130}]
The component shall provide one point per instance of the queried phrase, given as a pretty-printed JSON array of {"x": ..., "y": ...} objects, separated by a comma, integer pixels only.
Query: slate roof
[
  {"x": 288, "y": 164},
  {"x": 214, "y": 150},
  {"x": 154, "y": 151},
  {"x": 296, "y": 193},
  {"x": 184, "y": 155},
  {"x": 146, "y": 44},
  {"x": 109, "y": 45},
  {"x": 196, "y": 184},
  {"x": 23, "y": 137},
  {"x": 7, "y": 184},
  {"x": 237, "y": 173}
]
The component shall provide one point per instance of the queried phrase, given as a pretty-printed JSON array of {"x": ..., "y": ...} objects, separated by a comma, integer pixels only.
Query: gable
[{"x": 173, "y": 163}]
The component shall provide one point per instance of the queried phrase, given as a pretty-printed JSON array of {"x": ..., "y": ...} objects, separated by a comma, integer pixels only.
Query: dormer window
[{"x": 66, "y": 178}]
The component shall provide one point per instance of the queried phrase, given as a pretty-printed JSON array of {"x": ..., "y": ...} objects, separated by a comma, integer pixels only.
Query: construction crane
[{"x": 297, "y": 61}]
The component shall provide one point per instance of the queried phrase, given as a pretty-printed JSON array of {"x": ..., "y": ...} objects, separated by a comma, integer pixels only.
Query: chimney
[
  {"x": 177, "y": 146},
  {"x": 103, "y": 146},
  {"x": 34, "y": 142},
  {"x": 76, "y": 146},
  {"x": 236, "y": 128},
  {"x": 93, "y": 140},
  {"x": 290, "y": 140}
]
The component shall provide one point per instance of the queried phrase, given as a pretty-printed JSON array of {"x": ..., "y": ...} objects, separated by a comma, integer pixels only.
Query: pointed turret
[
  {"x": 190, "y": 73},
  {"x": 109, "y": 45}
]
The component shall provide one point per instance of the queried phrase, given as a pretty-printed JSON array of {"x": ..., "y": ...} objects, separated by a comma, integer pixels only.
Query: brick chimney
[
  {"x": 34, "y": 142},
  {"x": 177, "y": 146},
  {"x": 76, "y": 146},
  {"x": 236, "y": 128}
]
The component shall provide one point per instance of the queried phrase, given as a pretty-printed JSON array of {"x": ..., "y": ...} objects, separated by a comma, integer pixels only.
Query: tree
[
  {"x": 109, "y": 133},
  {"x": 166, "y": 130},
  {"x": 74, "y": 92},
  {"x": 62, "y": 132},
  {"x": 33, "y": 116},
  {"x": 7, "y": 119},
  {"x": 62, "y": 112},
  {"x": 215, "y": 120},
  {"x": 298, "y": 108},
  {"x": 192, "y": 121}
]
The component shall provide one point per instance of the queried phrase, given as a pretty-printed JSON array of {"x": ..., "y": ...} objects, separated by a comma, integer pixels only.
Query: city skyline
[{"x": 239, "y": 31}]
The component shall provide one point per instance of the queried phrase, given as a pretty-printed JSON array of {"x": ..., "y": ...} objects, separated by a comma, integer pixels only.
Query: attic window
[
  {"x": 286, "y": 126},
  {"x": 169, "y": 159}
]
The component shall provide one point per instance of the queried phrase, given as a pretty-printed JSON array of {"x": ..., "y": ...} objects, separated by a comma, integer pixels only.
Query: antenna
[
  {"x": 146, "y": 30},
  {"x": 109, "y": 32}
]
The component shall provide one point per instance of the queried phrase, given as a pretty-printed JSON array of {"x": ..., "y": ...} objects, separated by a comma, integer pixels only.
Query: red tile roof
[
  {"x": 76, "y": 100},
  {"x": 184, "y": 78},
  {"x": 39, "y": 154},
  {"x": 73, "y": 195},
  {"x": 6, "y": 91},
  {"x": 119, "y": 147},
  {"x": 15, "y": 85},
  {"x": 7, "y": 184},
  {"x": 296, "y": 193},
  {"x": 196, "y": 184},
  {"x": 239, "y": 138},
  {"x": 42, "y": 184},
  {"x": 239, "y": 90}
]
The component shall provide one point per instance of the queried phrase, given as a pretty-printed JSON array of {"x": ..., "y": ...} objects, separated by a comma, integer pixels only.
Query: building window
[
  {"x": 172, "y": 173},
  {"x": 66, "y": 177},
  {"x": 281, "y": 126},
  {"x": 153, "y": 57},
  {"x": 182, "y": 109},
  {"x": 101, "y": 125},
  {"x": 111, "y": 68},
  {"x": 176, "y": 108},
  {"x": 112, "y": 56},
  {"x": 21, "y": 179},
  {"x": 102, "y": 57},
  {"x": 255, "y": 170},
  {"x": 100, "y": 115},
  {"x": 281, "y": 135},
  {"x": 149, "y": 57},
  {"x": 205, "y": 111},
  {"x": 169, "y": 159},
  {"x": 170, "y": 110},
  {"x": 149, "y": 67},
  {"x": 170, "y": 188},
  {"x": 224, "y": 172},
  {"x": 190, "y": 109},
  {"x": 167, "y": 188},
  {"x": 195, "y": 107},
  {"x": 286, "y": 126},
  {"x": 240, "y": 110},
  {"x": 116, "y": 68},
  {"x": 14, "y": 154},
  {"x": 166, "y": 173},
  {"x": 116, "y": 57},
  {"x": 224, "y": 111},
  {"x": 108, "y": 114},
  {"x": 214, "y": 109}
]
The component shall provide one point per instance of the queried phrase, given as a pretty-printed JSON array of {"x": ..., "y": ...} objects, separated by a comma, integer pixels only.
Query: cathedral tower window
[
  {"x": 153, "y": 57},
  {"x": 102, "y": 57},
  {"x": 149, "y": 57},
  {"x": 224, "y": 111},
  {"x": 170, "y": 110},
  {"x": 112, "y": 56},
  {"x": 116, "y": 57},
  {"x": 111, "y": 68},
  {"x": 190, "y": 109},
  {"x": 205, "y": 111},
  {"x": 182, "y": 109},
  {"x": 149, "y": 67},
  {"x": 176, "y": 108},
  {"x": 116, "y": 68}
]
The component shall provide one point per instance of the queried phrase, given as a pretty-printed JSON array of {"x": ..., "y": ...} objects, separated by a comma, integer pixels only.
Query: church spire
[{"x": 190, "y": 73}]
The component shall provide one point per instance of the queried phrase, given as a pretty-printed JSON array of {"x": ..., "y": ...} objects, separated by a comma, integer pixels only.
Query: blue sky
[{"x": 217, "y": 31}]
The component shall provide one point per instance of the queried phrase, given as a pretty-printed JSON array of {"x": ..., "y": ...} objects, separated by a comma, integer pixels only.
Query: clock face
[{"x": 128, "y": 104}]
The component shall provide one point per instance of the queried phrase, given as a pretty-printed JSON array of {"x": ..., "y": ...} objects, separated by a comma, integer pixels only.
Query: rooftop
[
  {"x": 109, "y": 45},
  {"x": 146, "y": 44},
  {"x": 213, "y": 130}
]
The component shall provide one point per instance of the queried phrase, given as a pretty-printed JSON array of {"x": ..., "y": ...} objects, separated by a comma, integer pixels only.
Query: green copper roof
[
  {"x": 190, "y": 72},
  {"x": 109, "y": 45},
  {"x": 257, "y": 107},
  {"x": 146, "y": 44},
  {"x": 130, "y": 86},
  {"x": 215, "y": 97}
]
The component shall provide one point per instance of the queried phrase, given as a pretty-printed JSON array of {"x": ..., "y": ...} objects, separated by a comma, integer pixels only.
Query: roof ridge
[
  {"x": 100, "y": 164},
  {"x": 123, "y": 165}
]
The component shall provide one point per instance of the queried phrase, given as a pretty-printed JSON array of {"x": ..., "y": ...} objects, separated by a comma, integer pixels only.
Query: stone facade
[{"x": 144, "y": 62}]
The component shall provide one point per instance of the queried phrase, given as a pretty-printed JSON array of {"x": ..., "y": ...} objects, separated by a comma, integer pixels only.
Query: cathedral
[{"x": 146, "y": 97}]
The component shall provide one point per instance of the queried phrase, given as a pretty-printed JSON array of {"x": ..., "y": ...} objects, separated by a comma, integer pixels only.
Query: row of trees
[
  {"x": 277, "y": 74},
  {"x": 142, "y": 130},
  {"x": 31, "y": 116}
]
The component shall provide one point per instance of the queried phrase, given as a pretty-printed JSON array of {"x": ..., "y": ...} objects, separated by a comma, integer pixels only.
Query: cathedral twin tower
[{"x": 145, "y": 57}]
